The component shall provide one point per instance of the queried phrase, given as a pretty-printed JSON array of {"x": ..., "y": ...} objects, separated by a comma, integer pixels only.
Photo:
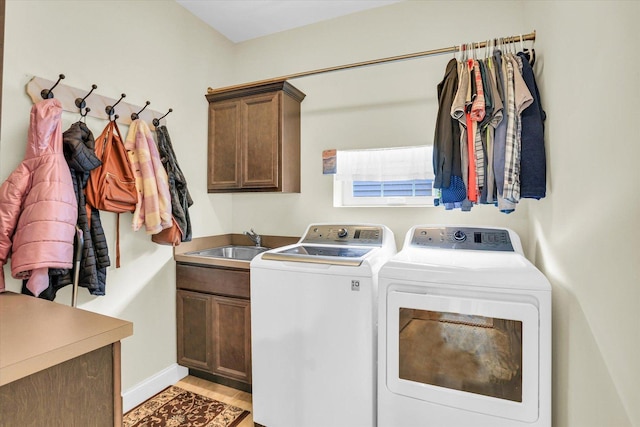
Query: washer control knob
[
  {"x": 342, "y": 232},
  {"x": 459, "y": 236}
]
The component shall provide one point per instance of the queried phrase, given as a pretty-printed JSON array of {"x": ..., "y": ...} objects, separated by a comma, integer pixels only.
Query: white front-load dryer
[
  {"x": 313, "y": 327},
  {"x": 464, "y": 332}
]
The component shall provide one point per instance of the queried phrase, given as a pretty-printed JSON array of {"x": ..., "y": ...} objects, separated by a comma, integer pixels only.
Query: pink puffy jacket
[{"x": 38, "y": 208}]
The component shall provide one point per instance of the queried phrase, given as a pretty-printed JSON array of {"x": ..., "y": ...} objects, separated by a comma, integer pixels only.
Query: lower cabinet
[
  {"x": 214, "y": 322},
  {"x": 195, "y": 335}
]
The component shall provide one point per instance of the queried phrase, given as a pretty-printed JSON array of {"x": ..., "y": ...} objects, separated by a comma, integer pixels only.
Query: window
[
  {"x": 412, "y": 188},
  {"x": 384, "y": 177}
]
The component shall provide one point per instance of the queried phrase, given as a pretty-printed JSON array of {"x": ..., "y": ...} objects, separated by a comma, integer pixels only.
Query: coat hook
[
  {"x": 156, "y": 122},
  {"x": 86, "y": 111},
  {"x": 80, "y": 103},
  {"x": 110, "y": 109},
  {"x": 48, "y": 93},
  {"x": 135, "y": 116}
]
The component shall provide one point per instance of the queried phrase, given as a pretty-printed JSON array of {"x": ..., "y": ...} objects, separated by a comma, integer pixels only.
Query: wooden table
[{"x": 59, "y": 366}]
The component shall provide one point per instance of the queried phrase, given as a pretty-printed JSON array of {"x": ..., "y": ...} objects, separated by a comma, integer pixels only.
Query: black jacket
[
  {"x": 533, "y": 160},
  {"x": 79, "y": 150}
]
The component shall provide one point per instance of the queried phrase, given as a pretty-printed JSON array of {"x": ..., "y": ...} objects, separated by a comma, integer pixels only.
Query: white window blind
[
  {"x": 385, "y": 164},
  {"x": 384, "y": 177}
]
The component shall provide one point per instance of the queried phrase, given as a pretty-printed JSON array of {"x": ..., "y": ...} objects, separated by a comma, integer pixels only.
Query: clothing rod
[{"x": 441, "y": 51}]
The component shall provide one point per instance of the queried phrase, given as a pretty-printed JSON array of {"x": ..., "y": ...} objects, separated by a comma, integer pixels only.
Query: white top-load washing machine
[
  {"x": 464, "y": 332},
  {"x": 313, "y": 327}
]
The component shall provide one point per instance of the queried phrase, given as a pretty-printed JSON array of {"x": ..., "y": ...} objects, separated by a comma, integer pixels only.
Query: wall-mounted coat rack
[{"x": 94, "y": 105}]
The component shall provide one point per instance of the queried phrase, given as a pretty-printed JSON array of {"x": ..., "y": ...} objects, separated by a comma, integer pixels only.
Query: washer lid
[{"x": 334, "y": 255}]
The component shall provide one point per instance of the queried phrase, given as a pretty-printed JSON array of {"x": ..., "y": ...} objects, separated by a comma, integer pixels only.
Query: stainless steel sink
[{"x": 242, "y": 253}]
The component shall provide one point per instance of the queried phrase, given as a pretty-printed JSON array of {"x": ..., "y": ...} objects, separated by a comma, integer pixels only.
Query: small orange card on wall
[{"x": 329, "y": 162}]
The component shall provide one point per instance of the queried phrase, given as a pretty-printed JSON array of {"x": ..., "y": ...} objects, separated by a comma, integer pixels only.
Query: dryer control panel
[
  {"x": 344, "y": 234},
  {"x": 469, "y": 238}
]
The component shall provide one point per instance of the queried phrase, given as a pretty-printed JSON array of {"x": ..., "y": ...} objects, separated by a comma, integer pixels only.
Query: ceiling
[{"x": 240, "y": 20}]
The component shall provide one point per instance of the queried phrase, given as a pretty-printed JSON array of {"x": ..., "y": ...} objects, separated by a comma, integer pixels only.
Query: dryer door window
[
  {"x": 472, "y": 353},
  {"x": 476, "y": 354}
]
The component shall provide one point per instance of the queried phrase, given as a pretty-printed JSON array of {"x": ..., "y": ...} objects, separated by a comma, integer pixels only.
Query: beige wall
[
  {"x": 589, "y": 82},
  {"x": 154, "y": 51},
  {"x": 381, "y": 106},
  {"x": 585, "y": 235}
]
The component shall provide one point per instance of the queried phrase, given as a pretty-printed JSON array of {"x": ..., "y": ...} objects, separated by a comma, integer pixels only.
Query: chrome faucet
[{"x": 255, "y": 237}]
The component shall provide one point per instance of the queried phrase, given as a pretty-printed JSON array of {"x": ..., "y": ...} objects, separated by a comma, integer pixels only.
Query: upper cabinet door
[
  {"x": 224, "y": 145},
  {"x": 260, "y": 141}
]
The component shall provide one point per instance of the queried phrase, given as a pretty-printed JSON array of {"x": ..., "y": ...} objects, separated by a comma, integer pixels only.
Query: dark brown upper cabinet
[{"x": 254, "y": 139}]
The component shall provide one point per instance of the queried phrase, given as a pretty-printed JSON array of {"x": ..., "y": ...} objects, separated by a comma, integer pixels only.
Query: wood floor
[{"x": 221, "y": 393}]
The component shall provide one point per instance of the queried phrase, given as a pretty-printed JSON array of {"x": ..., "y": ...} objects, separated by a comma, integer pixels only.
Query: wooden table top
[{"x": 36, "y": 334}]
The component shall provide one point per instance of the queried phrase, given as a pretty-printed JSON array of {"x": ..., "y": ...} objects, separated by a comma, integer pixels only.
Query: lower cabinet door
[
  {"x": 232, "y": 338},
  {"x": 194, "y": 330}
]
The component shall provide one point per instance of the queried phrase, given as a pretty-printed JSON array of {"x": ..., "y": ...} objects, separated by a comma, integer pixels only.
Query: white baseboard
[{"x": 152, "y": 385}]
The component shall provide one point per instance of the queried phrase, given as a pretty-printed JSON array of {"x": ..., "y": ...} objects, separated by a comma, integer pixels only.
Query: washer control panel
[
  {"x": 477, "y": 239},
  {"x": 344, "y": 234}
]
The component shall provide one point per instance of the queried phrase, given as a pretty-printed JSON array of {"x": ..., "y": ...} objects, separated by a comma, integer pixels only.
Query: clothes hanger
[
  {"x": 509, "y": 47},
  {"x": 530, "y": 53},
  {"x": 521, "y": 43}
]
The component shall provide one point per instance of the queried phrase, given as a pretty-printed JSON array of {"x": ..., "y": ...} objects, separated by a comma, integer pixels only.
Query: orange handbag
[{"x": 112, "y": 186}]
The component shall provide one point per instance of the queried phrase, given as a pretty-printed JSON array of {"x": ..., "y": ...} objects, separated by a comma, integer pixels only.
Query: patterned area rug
[{"x": 176, "y": 407}]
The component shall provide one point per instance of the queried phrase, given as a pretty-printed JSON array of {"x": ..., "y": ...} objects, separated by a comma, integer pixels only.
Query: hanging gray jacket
[
  {"x": 446, "y": 141},
  {"x": 180, "y": 197}
]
